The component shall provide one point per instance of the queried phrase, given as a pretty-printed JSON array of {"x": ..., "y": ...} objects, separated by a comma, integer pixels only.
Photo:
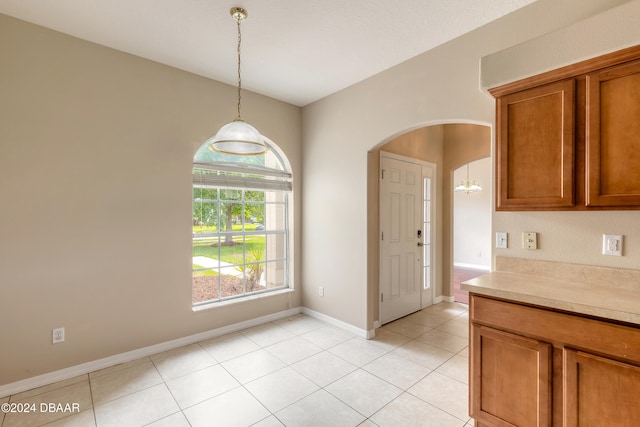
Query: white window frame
[{"x": 230, "y": 175}]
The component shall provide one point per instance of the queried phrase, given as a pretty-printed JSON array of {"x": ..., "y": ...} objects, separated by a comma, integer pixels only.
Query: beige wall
[
  {"x": 571, "y": 237},
  {"x": 597, "y": 35},
  {"x": 439, "y": 86},
  {"x": 95, "y": 163},
  {"x": 96, "y": 151}
]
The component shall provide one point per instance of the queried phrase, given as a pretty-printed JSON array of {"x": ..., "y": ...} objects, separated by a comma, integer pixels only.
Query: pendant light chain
[
  {"x": 238, "y": 19},
  {"x": 238, "y": 138}
]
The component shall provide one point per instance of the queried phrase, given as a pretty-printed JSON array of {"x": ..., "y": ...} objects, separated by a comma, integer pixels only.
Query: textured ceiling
[{"x": 297, "y": 51}]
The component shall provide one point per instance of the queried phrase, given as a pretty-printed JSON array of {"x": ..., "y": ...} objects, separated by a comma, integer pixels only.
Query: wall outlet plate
[
  {"x": 529, "y": 240},
  {"x": 501, "y": 240},
  {"x": 57, "y": 335},
  {"x": 612, "y": 244}
]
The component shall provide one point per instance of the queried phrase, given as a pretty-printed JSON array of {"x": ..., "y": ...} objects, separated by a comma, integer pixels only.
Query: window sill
[{"x": 238, "y": 300}]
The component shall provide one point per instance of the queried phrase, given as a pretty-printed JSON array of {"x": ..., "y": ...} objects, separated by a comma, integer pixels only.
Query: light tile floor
[{"x": 294, "y": 372}]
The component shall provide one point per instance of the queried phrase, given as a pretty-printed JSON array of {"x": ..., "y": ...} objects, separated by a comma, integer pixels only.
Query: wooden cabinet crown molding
[{"x": 568, "y": 71}]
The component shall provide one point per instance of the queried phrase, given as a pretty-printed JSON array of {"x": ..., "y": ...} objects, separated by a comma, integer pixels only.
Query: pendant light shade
[
  {"x": 238, "y": 137},
  {"x": 467, "y": 186}
]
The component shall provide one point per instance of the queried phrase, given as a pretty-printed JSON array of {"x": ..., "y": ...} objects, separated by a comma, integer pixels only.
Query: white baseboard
[
  {"x": 472, "y": 266},
  {"x": 362, "y": 333},
  {"x": 85, "y": 368},
  {"x": 443, "y": 298}
]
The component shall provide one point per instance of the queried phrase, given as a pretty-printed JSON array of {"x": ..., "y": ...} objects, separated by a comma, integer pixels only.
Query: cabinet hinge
[{"x": 382, "y": 172}]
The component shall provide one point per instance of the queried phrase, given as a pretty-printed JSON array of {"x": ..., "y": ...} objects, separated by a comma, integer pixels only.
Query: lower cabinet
[
  {"x": 502, "y": 398},
  {"x": 599, "y": 391},
  {"x": 531, "y": 366}
]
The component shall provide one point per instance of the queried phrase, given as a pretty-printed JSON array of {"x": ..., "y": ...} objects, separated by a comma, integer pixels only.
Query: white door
[{"x": 401, "y": 249}]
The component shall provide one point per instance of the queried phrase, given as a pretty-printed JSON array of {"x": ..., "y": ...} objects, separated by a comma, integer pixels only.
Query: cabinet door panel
[
  {"x": 510, "y": 381},
  {"x": 599, "y": 391},
  {"x": 535, "y": 148},
  {"x": 613, "y": 136}
]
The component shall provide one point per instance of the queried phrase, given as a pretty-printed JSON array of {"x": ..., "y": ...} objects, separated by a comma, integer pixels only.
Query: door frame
[{"x": 431, "y": 292}]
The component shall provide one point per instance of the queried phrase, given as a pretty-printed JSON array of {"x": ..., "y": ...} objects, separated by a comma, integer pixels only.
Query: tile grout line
[
  {"x": 93, "y": 403},
  {"x": 386, "y": 348}
]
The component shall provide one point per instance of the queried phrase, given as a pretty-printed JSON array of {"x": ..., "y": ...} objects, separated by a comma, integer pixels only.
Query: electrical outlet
[
  {"x": 57, "y": 335},
  {"x": 529, "y": 240},
  {"x": 612, "y": 244},
  {"x": 321, "y": 291},
  {"x": 501, "y": 240}
]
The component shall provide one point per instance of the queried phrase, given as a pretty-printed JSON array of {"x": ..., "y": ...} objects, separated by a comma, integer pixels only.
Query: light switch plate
[
  {"x": 501, "y": 240},
  {"x": 612, "y": 244},
  {"x": 530, "y": 240}
]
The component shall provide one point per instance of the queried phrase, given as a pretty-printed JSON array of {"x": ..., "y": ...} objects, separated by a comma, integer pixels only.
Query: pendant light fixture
[
  {"x": 238, "y": 137},
  {"x": 468, "y": 186}
]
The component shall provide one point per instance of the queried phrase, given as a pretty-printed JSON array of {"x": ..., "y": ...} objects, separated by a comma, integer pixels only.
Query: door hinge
[
  {"x": 381, "y": 297},
  {"x": 382, "y": 171},
  {"x": 382, "y": 235}
]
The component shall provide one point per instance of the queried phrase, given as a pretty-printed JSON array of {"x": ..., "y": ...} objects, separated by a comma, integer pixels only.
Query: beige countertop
[{"x": 617, "y": 301}]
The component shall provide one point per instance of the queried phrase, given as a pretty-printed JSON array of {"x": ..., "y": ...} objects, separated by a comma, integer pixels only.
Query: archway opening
[
  {"x": 471, "y": 225},
  {"x": 448, "y": 146}
]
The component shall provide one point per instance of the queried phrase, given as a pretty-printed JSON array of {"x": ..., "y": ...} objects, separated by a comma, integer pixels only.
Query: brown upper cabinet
[
  {"x": 613, "y": 136},
  {"x": 535, "y": 153},
  {"x": 569, "y": 139}
]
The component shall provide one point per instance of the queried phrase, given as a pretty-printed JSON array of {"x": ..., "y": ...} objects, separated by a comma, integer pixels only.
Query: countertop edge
[{"x": 556, "y": 294}]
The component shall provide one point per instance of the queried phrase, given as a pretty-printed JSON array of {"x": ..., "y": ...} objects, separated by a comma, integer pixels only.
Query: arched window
[{"x": 240, "y": 224}]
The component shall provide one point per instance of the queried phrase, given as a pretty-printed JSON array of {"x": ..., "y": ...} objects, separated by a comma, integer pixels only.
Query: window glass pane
[
  {"x": 204, "y": 250},
  {"x": 427, "y": 277},
  {"x": 254, "y": 216},
  {"x": 231, "y": 250},
  {"x": 427, "y": 255},
  {"x": 274, "y": 217},
  {"x": 275, "y": 246},
  {"x": 276, "y": 197},
  {"x": 254, "y": 196},
  {"x": 205, "y": 286},
  {"x": 255, "y": 248},
  {"x": 205, "y": 269},
  {"x": 275, "y": 274},
  {"x": 227, "y": 194},
  {"x": 205, "y": 217},
  {"x": 210, "y": 194},
  {"x": 230, "y": 217},
  {"x": 427, "y": 189},
  {"x": 231, "y": 285},
  {"x": 205, "y": 209},
  {"x": 254, "y": 276}
]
